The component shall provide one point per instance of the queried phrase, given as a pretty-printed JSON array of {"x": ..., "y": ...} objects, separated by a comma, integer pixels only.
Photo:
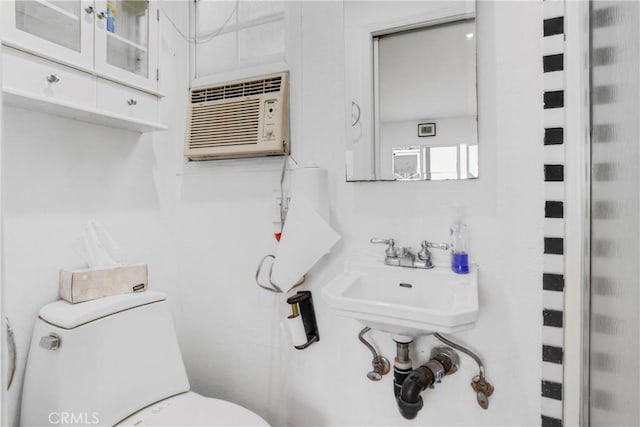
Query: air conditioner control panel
[{"x": 270, "y": 118}]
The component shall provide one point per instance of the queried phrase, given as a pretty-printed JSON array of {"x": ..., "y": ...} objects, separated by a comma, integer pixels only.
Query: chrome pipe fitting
[
  {"x": 480, "y": 384},
  {"x": 381, "y": 365}
]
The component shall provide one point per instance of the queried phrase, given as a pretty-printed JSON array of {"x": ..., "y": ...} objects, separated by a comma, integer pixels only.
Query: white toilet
[{"x": 115, "y": 361}]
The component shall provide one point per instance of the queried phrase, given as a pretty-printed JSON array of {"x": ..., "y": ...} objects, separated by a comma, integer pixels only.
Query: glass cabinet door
[
  {"x": 61, "y": 29},
  {"x": 124, "y": 45}
]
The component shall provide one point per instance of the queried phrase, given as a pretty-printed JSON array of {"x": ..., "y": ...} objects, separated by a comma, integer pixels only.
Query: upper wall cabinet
[
  {"x": 116, "y": 39},
  {"x": 94, "y": 61}
]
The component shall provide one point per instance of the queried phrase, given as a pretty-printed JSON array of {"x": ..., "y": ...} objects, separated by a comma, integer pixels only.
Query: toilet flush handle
[{"x": 50, "y": 342}]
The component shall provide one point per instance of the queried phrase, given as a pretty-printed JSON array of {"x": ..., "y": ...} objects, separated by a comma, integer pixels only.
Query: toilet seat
[{"x": 192, "y": 409}]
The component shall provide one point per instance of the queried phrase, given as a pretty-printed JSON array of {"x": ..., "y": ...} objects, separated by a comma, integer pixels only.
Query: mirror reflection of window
[
  {"x": 473, "y": 161},
  {"x": 407, "y": 164},
  {"x": 443, "y": 163},
  {"x": 464, "y": 161}
]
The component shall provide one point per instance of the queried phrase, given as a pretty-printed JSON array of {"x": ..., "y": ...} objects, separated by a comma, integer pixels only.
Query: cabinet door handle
[
  {"x": 355, "y": 113},
  {"x": 90, "y": 10},
  {"x": 132, "y": 101},
  {"x": 52, "y": 78},
  {"x": 101, "y": 15}
]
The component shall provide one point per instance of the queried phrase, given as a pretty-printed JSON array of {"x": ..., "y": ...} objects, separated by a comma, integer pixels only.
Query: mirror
[{"x": 411, "y": 91}]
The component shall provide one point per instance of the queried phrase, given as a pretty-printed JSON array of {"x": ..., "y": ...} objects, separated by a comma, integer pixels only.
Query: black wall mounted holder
[{"x": 304, "y": 301}]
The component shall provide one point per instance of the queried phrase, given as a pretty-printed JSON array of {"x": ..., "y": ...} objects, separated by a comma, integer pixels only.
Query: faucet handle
[
  {"x": 425, "y": 254},
  {"x": 391, "y": 250},
  {"x": 430, "y": 245}
]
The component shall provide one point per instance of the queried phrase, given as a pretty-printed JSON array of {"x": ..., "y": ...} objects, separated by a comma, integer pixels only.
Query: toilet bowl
[
  {"x": 115, "y": 361},
  {"x": 192, "y": 409}
]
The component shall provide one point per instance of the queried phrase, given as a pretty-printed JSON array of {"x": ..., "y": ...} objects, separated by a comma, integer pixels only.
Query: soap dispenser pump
[{"x": 459, "y": 243}]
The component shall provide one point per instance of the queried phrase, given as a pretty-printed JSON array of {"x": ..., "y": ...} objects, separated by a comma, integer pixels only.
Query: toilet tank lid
[{"x": 68, "y": 316}]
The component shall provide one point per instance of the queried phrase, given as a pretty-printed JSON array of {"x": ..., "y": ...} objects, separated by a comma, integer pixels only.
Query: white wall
[
  {"x": 226, "y": 322},
  {"x": 204, "y": 232}
]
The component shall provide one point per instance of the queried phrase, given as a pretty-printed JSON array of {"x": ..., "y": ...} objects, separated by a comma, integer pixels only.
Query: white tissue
[
  {"x": 295, "y": 330},
  {"x": 97, "y": 247},
  {"x": 311, "y": 183},
  {"x": 306, "y": 238}
]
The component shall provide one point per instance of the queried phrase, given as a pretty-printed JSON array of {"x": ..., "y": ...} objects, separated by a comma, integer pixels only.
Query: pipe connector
[
  {"x": 444, "y": 361},
  {"x": 401, "y": 366},
  {"x": 447, "y": 355},
  {"x": 380, "y": 363}
]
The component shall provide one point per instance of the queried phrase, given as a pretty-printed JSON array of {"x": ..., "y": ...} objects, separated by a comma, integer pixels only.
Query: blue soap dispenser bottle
[{"x": 459, "y": 243}]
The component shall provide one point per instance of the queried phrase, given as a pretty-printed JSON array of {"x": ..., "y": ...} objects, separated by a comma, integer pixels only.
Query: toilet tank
[{"x": 116, "y": 356}]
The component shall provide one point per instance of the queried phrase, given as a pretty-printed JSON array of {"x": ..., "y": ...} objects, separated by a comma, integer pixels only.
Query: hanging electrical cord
[
  {"x": 205, "y": 38},
  {"x": 283, "y": 209},
  {"x": 272, "y": 287}
]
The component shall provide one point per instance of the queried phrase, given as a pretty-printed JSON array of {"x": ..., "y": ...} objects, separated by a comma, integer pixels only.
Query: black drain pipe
[
  {"x": 401, "y": 366},
  {"x": 444, "y": 361}
]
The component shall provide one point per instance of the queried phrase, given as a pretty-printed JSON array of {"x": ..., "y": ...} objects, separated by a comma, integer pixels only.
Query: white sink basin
[{"x": 405, "y": 301}]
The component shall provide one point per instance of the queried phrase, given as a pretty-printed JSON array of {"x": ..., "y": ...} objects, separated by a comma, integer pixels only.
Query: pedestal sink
[{"x": 405, "y": 301}]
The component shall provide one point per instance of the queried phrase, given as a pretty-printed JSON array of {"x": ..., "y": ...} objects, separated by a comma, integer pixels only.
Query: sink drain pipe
[
  {"x": 444, "y": 361},
  {"x": 401, "y": 366}
]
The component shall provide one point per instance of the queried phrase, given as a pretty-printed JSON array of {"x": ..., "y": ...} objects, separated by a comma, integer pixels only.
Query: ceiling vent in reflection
[{"x": 237, "y": 119}]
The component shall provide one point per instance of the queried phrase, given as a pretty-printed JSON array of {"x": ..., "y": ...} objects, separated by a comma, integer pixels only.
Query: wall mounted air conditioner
[{"x": 240, "y": 118}]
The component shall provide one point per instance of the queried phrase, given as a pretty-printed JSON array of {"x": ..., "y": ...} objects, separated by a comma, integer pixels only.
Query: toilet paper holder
[{"x": 302, "y": 305}]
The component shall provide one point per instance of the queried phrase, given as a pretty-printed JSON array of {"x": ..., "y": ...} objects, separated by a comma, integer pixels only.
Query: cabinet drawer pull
[
  {"x": 52, "y": 78},
  {"x": 90, "y": 10},
  {"x": 101, "y": 15},
  {"x": 132, "y": 101}
]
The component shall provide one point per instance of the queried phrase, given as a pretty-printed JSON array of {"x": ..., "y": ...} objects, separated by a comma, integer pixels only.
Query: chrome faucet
[
  {"x": 405, "y": 257},
  {"x": 402, "y": 257}
]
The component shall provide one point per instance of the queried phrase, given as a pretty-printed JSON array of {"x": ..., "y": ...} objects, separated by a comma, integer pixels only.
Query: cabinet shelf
[
  {"x": 58, "y": 9},
  {"x": 20, "y": 99},
  {"x": 126, "y": 41}
]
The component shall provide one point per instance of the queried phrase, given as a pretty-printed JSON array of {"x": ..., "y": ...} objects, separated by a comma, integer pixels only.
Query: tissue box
[{"x": 92, "y": 283}]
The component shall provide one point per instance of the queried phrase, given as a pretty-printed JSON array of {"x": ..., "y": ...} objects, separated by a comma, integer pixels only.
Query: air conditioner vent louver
[
  {"x": 241, "y": 118},
  {"x": 225, "y": 124},
  {"x": 236, "y": 90}
]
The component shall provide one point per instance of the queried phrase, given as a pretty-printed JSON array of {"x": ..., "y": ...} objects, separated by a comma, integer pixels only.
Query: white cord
[
  {"x": 283, "y": 208},
  {"x": 282, "y": 201},
  {"x": 206, "y": 37}
]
